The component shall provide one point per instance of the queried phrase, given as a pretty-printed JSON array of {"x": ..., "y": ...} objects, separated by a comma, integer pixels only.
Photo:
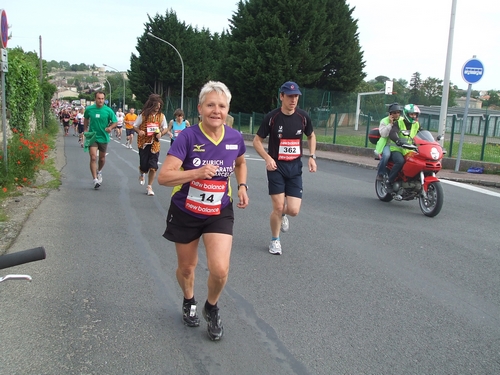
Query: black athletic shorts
[
  {"x": 185, "y": 228},
  {"x": 287, "y": 178},
  {"x": 148, "y": 160}
]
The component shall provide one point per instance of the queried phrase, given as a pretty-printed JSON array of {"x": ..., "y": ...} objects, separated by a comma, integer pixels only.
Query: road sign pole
[
  {"x": 4, "y": 38},
  {"x": 464, "y": 124},
  {"x": 4, "y": 121}
]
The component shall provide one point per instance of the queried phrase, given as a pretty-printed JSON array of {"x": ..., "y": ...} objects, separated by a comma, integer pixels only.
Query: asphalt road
[{"x": 362, "y": 287}]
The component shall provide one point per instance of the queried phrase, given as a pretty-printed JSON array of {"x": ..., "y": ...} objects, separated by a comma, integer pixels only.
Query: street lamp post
[
  {"x": 182, "y": 63},
  {"x": 123, "y": 105},
  {"x": 109, "y": 92}
]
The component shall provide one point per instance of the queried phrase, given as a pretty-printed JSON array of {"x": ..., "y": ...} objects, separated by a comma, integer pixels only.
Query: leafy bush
[{"x": 22, "y": 88}]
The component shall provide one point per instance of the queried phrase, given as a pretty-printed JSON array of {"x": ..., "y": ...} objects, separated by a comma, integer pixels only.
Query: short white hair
[{"x": 214, "y": 86}]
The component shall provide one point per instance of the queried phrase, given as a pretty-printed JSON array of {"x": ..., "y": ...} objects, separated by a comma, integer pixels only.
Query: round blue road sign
[{"x": 472, "y": 71}]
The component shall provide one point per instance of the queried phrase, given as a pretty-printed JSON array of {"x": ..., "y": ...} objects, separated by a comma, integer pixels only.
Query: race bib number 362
[
  {"x": 205, "y": 196},
  {"x": 289, "y": 149}
]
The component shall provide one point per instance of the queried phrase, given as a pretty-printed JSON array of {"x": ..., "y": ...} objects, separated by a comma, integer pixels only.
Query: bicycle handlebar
[{"x": 21, "y": 257}]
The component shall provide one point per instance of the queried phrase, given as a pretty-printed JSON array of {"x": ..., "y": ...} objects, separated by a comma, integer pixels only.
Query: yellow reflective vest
[{"x": 408, "y": 139}]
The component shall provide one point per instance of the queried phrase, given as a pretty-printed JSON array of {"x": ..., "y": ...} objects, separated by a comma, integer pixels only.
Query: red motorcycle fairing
[{"x": 428, "y": 180}]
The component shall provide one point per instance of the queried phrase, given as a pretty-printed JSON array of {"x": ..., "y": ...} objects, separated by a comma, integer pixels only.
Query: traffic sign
[
  {"x": 472, "y": 71},
  {"x": 4, "y": 29}
]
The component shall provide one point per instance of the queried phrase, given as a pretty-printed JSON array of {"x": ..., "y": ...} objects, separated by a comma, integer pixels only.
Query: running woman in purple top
[{"x": 199, "y": 165}]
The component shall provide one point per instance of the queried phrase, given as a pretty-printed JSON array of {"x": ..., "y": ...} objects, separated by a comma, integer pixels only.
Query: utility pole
[
  {"x": 41, "y": 83},
  {"x": 443, "y": 113}
]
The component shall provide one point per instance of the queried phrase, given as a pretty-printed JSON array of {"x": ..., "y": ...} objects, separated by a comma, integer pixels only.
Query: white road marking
[{"x": 471, "y": 187}]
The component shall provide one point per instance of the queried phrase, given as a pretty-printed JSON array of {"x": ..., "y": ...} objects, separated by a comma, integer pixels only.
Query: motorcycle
[{"x": 417, "y": 179}]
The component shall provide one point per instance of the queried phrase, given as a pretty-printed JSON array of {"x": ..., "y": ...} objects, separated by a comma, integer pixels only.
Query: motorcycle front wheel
[
  {"x": 432, "y": 205},
  {"x": 381, "y": 191}
]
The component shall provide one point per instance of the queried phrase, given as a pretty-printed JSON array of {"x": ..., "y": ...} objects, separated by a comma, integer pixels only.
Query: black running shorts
[
  {"x": 287, "y": 178},
  {"x": 185, "y": 228}
]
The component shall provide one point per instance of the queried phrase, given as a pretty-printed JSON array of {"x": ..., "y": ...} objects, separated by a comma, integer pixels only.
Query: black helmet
[{"x": 394, "y": 107}]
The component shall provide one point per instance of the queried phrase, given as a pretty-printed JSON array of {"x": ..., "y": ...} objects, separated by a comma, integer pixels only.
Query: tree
[
  {"x": 158, "y": 69},
  {"x": 344, "y": 69},
  {"x": 493, "y": 100},
  {"x": 431, "y": 91},
  {"x": 313, "y": 43},
  {"x": 415, "y": 85},
  {"x": 53, "y": 64},
  {"x": 381, "y": 79},
  {"x": 452, "y": 95},
  {"x": 64, "y": 65}
]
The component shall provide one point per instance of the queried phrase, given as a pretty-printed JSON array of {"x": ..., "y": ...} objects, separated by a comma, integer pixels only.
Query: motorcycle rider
[
  {"x": 408, "y": 122},
  {"x": 383, "y": 144}
]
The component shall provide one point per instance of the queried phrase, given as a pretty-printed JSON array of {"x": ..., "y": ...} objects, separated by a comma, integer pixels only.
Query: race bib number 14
[{"x": 205, "y": 196}]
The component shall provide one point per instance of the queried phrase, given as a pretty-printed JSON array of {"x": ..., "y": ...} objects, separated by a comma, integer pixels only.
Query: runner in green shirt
[{"x": 100, "y": 120}]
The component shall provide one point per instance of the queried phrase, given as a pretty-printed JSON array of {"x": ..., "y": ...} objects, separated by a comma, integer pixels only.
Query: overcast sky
[{"x": 398, "y": 38}]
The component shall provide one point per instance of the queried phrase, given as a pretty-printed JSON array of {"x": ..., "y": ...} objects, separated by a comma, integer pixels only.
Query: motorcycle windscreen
[{"x": 425, "y": 135}]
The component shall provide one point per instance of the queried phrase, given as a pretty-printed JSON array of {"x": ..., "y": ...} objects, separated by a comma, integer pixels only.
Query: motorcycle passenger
[
  {"x": 408, "y": 122},
  {"x": 383, "y": 144}
]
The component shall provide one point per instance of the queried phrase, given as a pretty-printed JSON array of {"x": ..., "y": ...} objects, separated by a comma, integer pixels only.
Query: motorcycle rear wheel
[
  {"x": 381, "y": 191},
  {"x": 432, "y": 205}
]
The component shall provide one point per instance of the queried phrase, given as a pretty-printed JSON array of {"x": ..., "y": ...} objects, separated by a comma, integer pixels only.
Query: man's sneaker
[
  {"x": 97, "y": 185},
  {"x": 126, "y": 144},
  {"x": 141, "y": 178},
  {"x": 189, "y": 315},
  {"x": 275, "y": 247},
  {"x": 99, "y": 177},
  {"x": 285, "y": 224},
  {"x": 214, "y": 325},
  {"x": 150, "y": 191},
  {"x": 380, "y": 177}
]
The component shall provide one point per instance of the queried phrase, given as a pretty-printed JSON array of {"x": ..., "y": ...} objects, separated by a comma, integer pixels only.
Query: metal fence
[{"x": 334, "y": 119}]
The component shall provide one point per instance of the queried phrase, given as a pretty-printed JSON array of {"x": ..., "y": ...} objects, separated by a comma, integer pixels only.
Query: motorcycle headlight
[{"x": 435, "y": 153}]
